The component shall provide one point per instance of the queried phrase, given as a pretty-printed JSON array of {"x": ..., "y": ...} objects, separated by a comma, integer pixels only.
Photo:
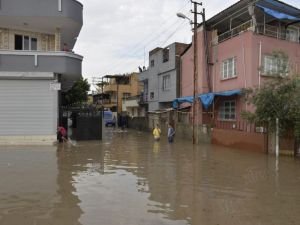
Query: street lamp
[
  {"x": 195, "y": 106},
  {"x": 181, "y": 15}
]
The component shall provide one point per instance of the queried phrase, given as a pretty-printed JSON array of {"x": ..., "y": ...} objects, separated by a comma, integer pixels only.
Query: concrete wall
[
  {"x": 138, "y": 123},
  {"x": 183, "y": 130},
  {"x": 187, "y": 68}
]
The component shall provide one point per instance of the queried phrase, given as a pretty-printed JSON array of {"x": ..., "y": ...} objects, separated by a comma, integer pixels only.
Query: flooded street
[{"x": 128, "y": 179}]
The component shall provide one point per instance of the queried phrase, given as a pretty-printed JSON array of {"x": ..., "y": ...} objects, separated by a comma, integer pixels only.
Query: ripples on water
[{"x": 129, "y": 179}]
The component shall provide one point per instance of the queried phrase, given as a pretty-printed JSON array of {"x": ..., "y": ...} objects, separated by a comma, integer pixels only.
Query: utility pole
[
  {"x": 195, "y": 95},
  {"x": 195, "y": 24}
]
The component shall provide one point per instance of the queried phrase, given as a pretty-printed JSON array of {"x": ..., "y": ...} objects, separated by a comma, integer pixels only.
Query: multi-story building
[
  {"x": 37, "y": 65},
  {"x": 240, "y": 43},
  {"x": 161, "y": 80},
  {"x": 116, "y": 88}
]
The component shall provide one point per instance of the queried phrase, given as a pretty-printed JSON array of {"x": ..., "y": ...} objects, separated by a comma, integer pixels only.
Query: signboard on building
[{"x": 55, "y": 86}]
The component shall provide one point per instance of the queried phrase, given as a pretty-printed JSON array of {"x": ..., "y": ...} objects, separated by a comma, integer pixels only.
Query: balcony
[
  {"x": 132, "y": 101},
  {"x": 110, "y": 88},
  {"x": 262, "y": 29},
  {"x": 44, "y": 17},
  {"x": 65, "y": 63},
  {"x": 143, "y": 99}
]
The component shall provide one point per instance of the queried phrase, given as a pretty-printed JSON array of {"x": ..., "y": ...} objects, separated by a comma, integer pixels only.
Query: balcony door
[{"x": 26, "y": 43}]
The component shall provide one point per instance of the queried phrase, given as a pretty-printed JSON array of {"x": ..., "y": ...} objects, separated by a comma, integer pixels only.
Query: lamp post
[{"x": 195, "y": 90}]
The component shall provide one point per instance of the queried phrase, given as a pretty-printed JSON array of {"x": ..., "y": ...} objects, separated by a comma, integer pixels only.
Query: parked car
[{"x": 109, "y": 119}]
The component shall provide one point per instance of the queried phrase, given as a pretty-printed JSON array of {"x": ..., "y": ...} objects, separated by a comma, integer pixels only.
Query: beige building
[{"x": 117, "y": 88}]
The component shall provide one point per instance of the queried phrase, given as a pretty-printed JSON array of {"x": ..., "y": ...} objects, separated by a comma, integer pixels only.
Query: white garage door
[{"x": 27, "y": 108}]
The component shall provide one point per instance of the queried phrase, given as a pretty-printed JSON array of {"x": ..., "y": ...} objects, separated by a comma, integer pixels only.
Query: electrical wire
[{"x": 145, "y": 42}]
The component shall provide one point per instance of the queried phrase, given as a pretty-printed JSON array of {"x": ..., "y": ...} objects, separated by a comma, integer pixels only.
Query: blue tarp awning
[
  {"x": 208, "y": 98},
  {"x": 276, "y": 14},
  {"x": 177, "y": 101}
]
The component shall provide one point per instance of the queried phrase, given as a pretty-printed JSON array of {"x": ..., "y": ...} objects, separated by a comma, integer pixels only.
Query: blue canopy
[
  {"x": 277, "y": 14},
  {"x": 208, "y": 98},
  {"x": 188, "y": 99}
]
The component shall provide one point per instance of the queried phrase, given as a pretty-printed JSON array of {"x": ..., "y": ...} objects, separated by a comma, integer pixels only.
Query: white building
[{"x": 37, "y": 65}]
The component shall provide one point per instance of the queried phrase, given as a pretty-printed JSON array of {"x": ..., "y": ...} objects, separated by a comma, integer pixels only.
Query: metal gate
[{"x": 82, "y": 122}]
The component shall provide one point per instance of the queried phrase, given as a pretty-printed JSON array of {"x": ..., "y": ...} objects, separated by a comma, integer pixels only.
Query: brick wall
[{"x": 240, "y": 139}]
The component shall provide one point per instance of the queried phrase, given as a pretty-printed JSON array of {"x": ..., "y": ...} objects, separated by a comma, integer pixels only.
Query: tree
[
  {"x": 278, "y": 98},
  {"x": 78, "y": 93}
]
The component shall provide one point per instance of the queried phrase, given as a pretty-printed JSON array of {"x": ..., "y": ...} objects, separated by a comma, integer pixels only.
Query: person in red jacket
[{"x": 62, "y": 134}]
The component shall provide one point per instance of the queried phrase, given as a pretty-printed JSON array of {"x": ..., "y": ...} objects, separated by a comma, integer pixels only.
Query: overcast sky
[{"x": 117, "y": 34}]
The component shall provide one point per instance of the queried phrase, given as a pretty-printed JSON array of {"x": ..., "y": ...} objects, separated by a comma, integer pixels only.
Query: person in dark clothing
[{"x": 171, "y": 133}]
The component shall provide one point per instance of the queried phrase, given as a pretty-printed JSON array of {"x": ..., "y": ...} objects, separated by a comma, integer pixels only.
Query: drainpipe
[
  {"x": 259, "y": 64},
  {"x": 277, "y": 137},
  {"x": 244, "y": 67}
]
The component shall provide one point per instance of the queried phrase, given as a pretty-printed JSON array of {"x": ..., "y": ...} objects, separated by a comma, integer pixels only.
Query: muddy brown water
[{"x": 128, "y": 179}]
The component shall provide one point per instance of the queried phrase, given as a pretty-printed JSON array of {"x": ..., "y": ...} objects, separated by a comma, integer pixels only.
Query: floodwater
[{"x": 128, "y": 179}]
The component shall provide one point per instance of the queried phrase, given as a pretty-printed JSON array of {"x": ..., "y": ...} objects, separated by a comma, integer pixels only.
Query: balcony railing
[
  {"x": 234, "y": 32},
  {"x": 275, "y": 32},
  {"x": 106, "y": 102},
  {"x": 263, "y": 29},
  {"x": 38, "y": 61}
]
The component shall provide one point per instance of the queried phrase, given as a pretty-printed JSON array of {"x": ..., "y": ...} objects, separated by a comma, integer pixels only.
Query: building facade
[
  {"x": 161, "y": 80},
  {"x": 240, "y": 44},
  {"x": 115, "y": 88},
  {"x": 37, "y": 65}
]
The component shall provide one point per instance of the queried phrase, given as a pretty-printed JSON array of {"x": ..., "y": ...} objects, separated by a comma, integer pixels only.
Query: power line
[
  {"x": 171, "y": 35},
  {"x": 137, "y": 48},
  {"x": 161, "y": 43}
]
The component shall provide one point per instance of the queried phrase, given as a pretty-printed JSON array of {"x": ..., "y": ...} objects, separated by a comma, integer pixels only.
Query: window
[
  {"x": 229, "y": 68},
  {"x": 165, "y": 55},
  {"x": 227, "y": 110},
  {"x": 151, "y": 95},
  {"x": 152, "y": 63},
  {"x": 166, "y": 82},
  {"x": 25, "y": 43},
  {"x": 292, "y": 35},
  {"x": 275, "y": 66}
]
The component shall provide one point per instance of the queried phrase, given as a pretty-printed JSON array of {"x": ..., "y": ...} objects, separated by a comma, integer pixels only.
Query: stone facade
[
  {"x": 46, "y": 42},
  {"x": 4, "y": 38}
]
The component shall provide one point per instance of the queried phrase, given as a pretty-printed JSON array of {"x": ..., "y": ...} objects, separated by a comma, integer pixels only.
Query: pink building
[{"x": 240, "y": 42}]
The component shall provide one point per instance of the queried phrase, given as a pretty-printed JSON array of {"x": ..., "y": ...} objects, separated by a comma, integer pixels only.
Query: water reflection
[
  {"x": 130, "y": 179},
  {"x": 146, "y": 182},
  {"x": 36, "y": 187}
]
